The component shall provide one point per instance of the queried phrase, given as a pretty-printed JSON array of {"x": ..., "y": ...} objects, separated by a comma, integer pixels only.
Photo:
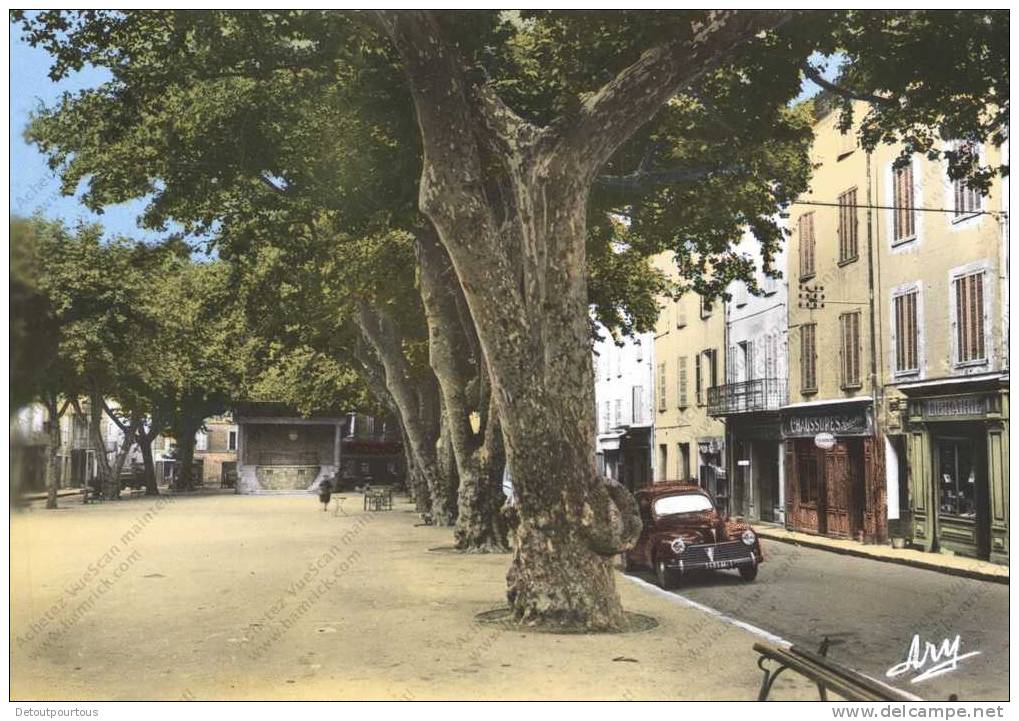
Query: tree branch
[
  {"x": 120, "y": 424},
  {"x": 815, "y": 75},
  {"x": 632, "y": 98}
]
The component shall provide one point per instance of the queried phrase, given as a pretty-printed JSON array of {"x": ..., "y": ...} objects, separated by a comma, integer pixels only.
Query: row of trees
[
  {"x": 444, "y": 202},
  {"x": 149, "y": 338}
]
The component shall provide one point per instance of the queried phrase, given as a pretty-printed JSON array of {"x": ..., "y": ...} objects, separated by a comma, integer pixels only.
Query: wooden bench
[{"x": 825, "y": 673}]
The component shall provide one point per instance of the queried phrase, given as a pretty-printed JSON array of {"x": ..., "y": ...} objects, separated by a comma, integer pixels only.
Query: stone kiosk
[
  {"x": 958, "y": 457},
  {"x": 837, "y": 491}
]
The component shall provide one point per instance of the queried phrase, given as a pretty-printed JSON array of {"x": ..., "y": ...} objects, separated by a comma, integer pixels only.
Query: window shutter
[
  {"x": 683, "y": 401},
  {"x": 661, "y": 386},
  {"x": 697, "y": 377}
]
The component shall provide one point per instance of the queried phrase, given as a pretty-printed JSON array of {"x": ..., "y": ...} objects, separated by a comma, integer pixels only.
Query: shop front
[
  {"x": 755, "y": 467},
  {"x": 958, "y": 458},
  {"x": 834, "y": 475}
]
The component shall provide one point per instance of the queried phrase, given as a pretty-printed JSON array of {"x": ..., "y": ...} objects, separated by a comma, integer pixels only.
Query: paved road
[{"x": 872, "y": 609}]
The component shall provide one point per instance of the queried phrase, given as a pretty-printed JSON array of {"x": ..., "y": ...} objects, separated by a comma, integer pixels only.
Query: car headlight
[
  {"x": 749, "y": 537},
  {"x": 678, "y": 546}
]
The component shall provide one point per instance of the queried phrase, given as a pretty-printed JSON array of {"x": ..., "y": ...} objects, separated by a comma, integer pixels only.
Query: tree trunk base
[
  {"x": 557, "y": 582},
  {"x": 504, "y": 619}
]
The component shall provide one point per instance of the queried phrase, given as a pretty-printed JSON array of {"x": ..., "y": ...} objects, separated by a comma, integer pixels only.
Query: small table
[{"x": 339, "y": 506}]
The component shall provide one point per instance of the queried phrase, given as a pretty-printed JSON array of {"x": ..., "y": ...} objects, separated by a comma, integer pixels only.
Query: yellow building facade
[
  {"x": 898, "y": 352},
  {"x": 688, "y": 360}
]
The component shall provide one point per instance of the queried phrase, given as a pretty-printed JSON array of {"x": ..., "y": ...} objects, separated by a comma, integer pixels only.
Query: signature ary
[{"x": 932, "y": 660}]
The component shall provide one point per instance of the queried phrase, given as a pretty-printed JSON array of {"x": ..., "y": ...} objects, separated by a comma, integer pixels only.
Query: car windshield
[{"x": 685, "y": 503}]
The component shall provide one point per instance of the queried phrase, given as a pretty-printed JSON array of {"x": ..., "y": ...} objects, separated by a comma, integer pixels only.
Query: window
[
  {"x": 745, "y": 360},
  {"x": 849, "y": 324},
  {"x": 606, "y": 417},
  {"x": 848, "y": 227},
  {"x": 808, "y": 358},
  {"x": 712, "y": 357},
  {"x": 619, "y": 412},
  {"x": 740, "y": 295},
  {"x": 684, "y": 461},
  {"x": 907, "y": 333},
  {"x": 969, "y": 318},
  {"x": 707, "y": 305},
  {"x": 686, "y": 503},
  {"x": 967, "y": 198},
  {"x": 805, "y": 230},
  {"x": 231, "y": 441},
  {"x": 769, "y": 285},
  {"x": 956, "y": 477},
  {"x": 683, "y": 400},
  {"x": 902, "y": 199},
  {"x": 661, "y": 386},
  {"x": 680, "y": 314},
  {"x": 607, "y": 362},
  {"x": 637, "y": 404}
]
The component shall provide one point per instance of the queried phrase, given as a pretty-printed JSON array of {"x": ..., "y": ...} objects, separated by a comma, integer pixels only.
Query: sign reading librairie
[{"x": 952, "y": 406}]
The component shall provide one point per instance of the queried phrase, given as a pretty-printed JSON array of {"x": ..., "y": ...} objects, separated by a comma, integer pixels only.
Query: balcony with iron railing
[{"x": 753, "y": 396}]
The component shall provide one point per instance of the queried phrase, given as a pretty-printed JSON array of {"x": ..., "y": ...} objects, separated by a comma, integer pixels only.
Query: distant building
[
  {"x": 623, "y": 396},
  {"x": 279, "y": 450},
  {"x": 216, "y": 448}
]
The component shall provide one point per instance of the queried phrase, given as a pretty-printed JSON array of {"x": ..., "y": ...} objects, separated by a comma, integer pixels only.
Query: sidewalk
[
  {"x": 942, "y": 563},
  {"x": 267, "y": 597}
]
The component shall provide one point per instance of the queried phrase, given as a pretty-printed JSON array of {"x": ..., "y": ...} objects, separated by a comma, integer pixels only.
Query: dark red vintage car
[{"x": 684, "y": 532}]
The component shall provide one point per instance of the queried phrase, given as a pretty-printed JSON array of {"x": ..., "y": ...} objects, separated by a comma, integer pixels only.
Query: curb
[{"x": 973, "y": 573}]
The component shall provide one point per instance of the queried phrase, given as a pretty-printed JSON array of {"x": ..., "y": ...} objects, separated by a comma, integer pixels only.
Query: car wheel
[
  {"x": 667, "y": 578},
  {"x": 748, "y": 573}
]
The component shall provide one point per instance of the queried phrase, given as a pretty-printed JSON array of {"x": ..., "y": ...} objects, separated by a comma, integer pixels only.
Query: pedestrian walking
[{"x": 325, "y": 492}]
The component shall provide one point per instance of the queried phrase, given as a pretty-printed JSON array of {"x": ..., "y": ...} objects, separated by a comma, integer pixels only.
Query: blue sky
[{"x": 34, "y": 187}]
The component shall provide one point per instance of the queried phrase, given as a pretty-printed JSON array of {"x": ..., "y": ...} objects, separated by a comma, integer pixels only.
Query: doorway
[{"x": 766, "y": 476}]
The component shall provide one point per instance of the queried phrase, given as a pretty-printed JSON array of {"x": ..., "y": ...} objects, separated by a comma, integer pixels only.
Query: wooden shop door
[
  {"x": 843, "y": 466},
  {"x": 805, "y": 486}
]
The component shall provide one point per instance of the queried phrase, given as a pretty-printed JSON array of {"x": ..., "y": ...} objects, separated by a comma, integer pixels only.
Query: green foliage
[
  {"x": 34, "y": 333},
  {"x": 273, "y": 127}
]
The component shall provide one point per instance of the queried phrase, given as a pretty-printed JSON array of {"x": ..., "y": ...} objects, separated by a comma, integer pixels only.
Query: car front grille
[{"x": 714, "y": 552}]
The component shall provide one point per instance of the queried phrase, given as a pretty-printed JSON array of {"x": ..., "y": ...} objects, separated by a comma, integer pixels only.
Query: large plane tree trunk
[{"x": 509, "y": 199}]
